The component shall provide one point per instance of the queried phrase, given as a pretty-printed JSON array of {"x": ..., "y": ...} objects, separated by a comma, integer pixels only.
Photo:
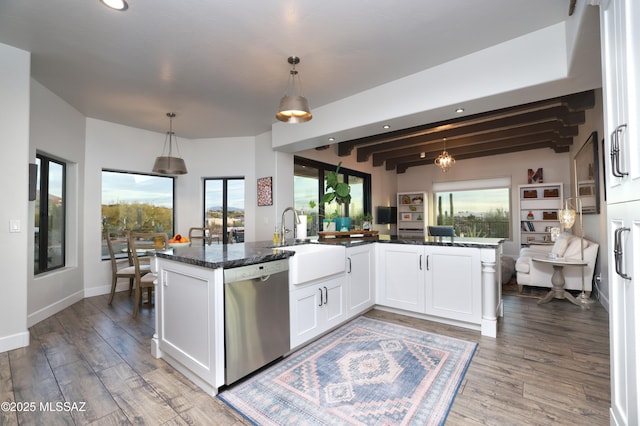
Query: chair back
[
  {"x": 200, "y": 233},
  {"x": 441, "y": 231},
  {"x": 119, "y": 238},
  {"x": 139, "y": 242}
]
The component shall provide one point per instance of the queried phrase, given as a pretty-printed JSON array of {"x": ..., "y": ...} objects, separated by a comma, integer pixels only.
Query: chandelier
[{"x": 445, "y": 160}]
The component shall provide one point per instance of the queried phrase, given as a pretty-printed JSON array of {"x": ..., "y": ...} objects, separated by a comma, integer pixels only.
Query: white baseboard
[
  {"x": 14, "y": 341},
  {"x": 54, "y": 308},
  {"x": 104, "y": 289}
]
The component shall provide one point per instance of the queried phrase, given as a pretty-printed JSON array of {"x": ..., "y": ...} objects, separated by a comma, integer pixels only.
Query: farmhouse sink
[{"x": 314, "y": 261}]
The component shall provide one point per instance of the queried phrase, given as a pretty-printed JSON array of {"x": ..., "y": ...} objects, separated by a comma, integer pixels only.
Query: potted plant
[
  {"x": 366, "y": 221},
  {"x": 340, "y": 192}
]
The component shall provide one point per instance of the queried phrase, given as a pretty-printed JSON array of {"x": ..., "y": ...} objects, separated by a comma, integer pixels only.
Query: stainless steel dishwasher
[{"x": 256, "y": 317}]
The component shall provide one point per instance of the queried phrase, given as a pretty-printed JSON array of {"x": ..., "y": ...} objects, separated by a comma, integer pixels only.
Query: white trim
[
  {"x": 467, "y": 185},
  {"x": 54, "y": 308},
  {"x": 14, "y": 341}
]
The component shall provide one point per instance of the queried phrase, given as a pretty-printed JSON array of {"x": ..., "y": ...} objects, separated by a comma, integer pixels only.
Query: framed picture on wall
[{"x": 265, "y": 194}]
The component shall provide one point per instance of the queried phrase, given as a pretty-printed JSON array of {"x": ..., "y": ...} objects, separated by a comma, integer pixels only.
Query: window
[
  {"x": 136, "y": 202},
  {"x": 474, "y": 208},
  {"x": 224, "y": 208},
  {"x": 49, "y": 248},
  {"x": 308, "y": 188}
]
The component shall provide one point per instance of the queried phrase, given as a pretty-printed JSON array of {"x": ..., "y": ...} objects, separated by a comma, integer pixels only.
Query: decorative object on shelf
[
  {"x": 168, "y": 164},
  {"x": 405, "y": 216},
  {"x": 416, "y": 200},
  {"x": 445, "y": 160},
  {"x": 265, "y": 194},
  {"x": 366, "y": 222},
  {"x": 550, "y": 215},
  {"x": 567, "y": 217},
  {"x": 340, "y": 192},
  {"x": 530, "y": 193},
  {"x": 406, "y": 199},
  {"x": 294, "y": 108},
  {"x": 534, "y": 177},
  {"x": 551, "y": 193},
  {"x": 555, "y": 233},
  {"x": 413, "y": 208},
  {"x": 530, "y": 215}
]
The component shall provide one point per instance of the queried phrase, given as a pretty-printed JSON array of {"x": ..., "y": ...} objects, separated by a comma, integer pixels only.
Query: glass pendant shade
[
  {"x": 167, "y": 164},
  {"x": 294, "y": 108},
  {"x": 567, "y": 217}
]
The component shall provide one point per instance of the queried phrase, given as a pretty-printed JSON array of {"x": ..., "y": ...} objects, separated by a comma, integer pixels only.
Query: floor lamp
[{"x": 567, "y": 218}]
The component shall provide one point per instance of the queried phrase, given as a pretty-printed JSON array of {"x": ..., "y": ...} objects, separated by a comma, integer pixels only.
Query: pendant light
[
  {"x": 168, "y": 164},
  {"x": 294, "y": 108},
  {"x": 445, "y": 160}
]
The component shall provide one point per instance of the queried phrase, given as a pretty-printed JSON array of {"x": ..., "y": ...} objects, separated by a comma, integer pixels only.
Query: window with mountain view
[
  {"x": 136, "y": 202},
  {"x": 224, "y": 208}
]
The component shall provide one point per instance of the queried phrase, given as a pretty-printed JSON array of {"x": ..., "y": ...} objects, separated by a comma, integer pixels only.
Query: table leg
[{"x": 558, "y": 291}]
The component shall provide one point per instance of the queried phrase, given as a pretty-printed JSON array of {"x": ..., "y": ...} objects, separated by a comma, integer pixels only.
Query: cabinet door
[
  {"x": 359, "y": 279},
  {"x": 304, "y": 308},
  {"x": 333, "y": 310},
  {"x": 453, "y": 283},
  {"x": 624, "y": 311},
  {"x": 402, "y": 276}
]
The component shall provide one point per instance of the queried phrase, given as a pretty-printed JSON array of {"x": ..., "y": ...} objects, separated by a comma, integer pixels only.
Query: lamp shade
[
  {"x": 294, "y": 109},
  {"x": 567, "y": 217},
  {"x": 170, "y": 166}
]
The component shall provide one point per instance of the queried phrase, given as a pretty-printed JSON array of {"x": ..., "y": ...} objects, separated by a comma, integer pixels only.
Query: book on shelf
[{"x": 527, "y": 226}]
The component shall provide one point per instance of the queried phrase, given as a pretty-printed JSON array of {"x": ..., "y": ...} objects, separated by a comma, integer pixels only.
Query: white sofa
[{"x": 539, "y": 274}]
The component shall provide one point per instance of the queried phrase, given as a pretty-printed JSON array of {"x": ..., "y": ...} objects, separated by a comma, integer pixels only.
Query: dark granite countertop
[{"x": 234, "y": 255}]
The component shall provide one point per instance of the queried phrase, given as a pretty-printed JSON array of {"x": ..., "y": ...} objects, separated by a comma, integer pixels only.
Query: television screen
[{"x": 386, "y": 215}]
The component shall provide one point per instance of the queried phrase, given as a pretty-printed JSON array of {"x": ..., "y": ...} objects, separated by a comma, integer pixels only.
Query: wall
[
  {"x": 57, "y": 130},
  {"x": 113, "y": 146},
  {"x": 14, "y": 121}
]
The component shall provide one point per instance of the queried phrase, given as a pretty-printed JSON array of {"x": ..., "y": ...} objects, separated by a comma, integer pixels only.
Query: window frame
[
  {"x": 323, "y": 168},
  {"x": 43, "y": 213},
  {"x": 475, "y": 185},
  {"x": 130, "y": 172},
  {"x": 225, "y": 180}
]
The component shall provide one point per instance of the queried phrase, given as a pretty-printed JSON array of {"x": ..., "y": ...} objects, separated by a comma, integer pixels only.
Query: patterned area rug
[{"x": 368, "y": 372}]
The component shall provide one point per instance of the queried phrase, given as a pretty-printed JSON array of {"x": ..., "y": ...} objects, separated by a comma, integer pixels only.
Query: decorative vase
[{"x": 343, "y": 223}]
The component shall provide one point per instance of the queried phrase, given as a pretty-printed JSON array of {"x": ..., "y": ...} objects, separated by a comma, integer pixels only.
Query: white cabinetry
[
  {"x": 457, "y": 285},
  {"x": 620, "y": 35},
  {"x": 620, "y": 41},
  {"x": 315, "y": 308},
  {"x": 454, "y": 283},
  {"x": 360, "y": 282},
  {"x": 539, "y": 204},
  {"x": 412, "y": 214},
  {"x": 401, "y": 276},
  {"x": 189, "y": 322}
]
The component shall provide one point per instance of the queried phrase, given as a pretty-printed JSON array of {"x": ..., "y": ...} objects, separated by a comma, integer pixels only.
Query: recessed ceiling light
[
  {"x": 332, "y": 139},
  {"x": 459, "y": 110},
  {"x": 116, "y": 4},
  {"x": 423, "y": 155},
  {"x": 386, "y": 126}
]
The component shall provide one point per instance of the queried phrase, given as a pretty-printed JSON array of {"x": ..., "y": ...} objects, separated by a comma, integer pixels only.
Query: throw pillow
[
  {"x": 573, "y": 249},
  {"x": 561, "y": 244}
]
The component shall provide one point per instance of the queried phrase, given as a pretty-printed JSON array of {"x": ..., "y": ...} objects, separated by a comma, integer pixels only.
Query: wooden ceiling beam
[
  {"x": 572, "y": 103},
  {"x": 402, "y": 167},
  {"x": 501, "y": 135},
  {"x": 560, "y": 113}
]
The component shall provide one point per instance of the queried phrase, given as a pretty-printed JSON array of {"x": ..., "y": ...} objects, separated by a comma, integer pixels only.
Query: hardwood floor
[{"x": 548, "y": 366}]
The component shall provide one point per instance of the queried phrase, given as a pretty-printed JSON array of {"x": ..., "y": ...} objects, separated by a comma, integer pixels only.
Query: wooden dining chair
[
  {"x": 200, "y": 233},
  {"x": 139, "y": 243},
  {"x": 121, "y": 238}
]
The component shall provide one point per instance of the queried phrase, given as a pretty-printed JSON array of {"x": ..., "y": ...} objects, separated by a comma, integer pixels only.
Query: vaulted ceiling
[{"x": 551, "y": 123}]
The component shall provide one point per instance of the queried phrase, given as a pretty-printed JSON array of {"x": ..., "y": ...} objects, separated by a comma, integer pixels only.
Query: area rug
[{"x": 368, "y": 372}]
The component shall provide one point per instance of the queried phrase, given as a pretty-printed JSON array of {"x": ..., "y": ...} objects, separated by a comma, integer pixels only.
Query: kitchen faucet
[{"x": 283, "y": 230}]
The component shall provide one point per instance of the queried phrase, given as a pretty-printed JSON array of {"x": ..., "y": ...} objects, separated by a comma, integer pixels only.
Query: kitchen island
[{"x": 454, "y": 281}]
